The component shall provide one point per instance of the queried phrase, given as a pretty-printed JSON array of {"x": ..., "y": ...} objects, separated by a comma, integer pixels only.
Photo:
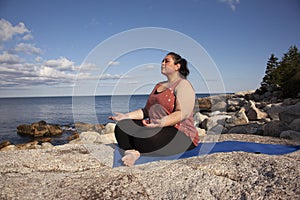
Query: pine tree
[
  {"x": 284, "y": 75},
  {"x": 289, "y": 71},
  {"x": 270, "y": 77}
]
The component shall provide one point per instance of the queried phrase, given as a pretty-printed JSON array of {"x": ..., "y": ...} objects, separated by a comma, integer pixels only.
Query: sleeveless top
[{"x": 160, "y": 104}]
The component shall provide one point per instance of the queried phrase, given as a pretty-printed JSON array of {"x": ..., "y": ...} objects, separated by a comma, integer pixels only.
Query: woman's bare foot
[{"x": 130, "y": 157}]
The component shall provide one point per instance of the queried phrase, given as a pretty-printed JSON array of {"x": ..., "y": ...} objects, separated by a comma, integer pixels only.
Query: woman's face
[{"x": 168, "y": 67}]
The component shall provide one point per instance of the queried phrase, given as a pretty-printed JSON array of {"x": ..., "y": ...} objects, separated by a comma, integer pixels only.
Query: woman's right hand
[{"x": 118, "y": 116}]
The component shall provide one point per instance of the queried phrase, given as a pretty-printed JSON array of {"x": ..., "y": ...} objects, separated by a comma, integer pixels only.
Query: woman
[{"x": 165, "y": 126}]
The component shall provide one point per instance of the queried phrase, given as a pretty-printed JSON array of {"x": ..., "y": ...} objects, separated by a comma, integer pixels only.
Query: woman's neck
[{"x": 173, "y": 79}]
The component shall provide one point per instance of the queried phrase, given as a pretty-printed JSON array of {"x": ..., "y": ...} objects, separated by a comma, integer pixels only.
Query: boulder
[
  {"x": 4, "y": 144},
  {"x": 295, "y": 124},
  {"x": 254, "y": 113},
  {"x": 274, "y": 128},
  {"x": 213, "y": 121},
  {"x": 204, "y": 103},
  {"x": 221, "y": 106},
  {"x": 9, "y": 148},
  {"x": 292, "y": 135},
  {"x": 290, "y": 101},
  {"x": 244, "y": 93},
  {"x": 239, "y": 118},
  {"x": 83, "y": 127},
  {"x": 96, "y": 138},
  {"x": 290, "y": 113},
  {"x": 235, "y": 101},
  {"x": 90, "y": 137},
  {"x": 201, "y": 132},
  {"x": 274, "y": 110},
  {"x": 46, "y": 145},
  {"x": 109, "y": 128},
  {"x": 74, "y": 136},
  {"x": 108, "y": 138},
  {"x": 24, "y": 129},
  {"x": 253, "y": 128},
  {"x": 54, "y": 129},
  {"x": 39, "y": 129},
  {"x": 29, "y": 145},
  {"x": 218, "y": 129},
  {"x": 199, "y": 118}
]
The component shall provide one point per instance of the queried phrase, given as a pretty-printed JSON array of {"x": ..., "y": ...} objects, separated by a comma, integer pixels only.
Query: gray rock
[
  {"x": 234, "y": 101},
  {"x": 239, "y": 118},
  {"x": 213, "y": 121},
  {"x": 290, "y": 134},
  {"x": 253, "y": 128},
  {"x": 254, "y": 113},
  {"x": 90, "y": 137},
  {"x": 221, "y": 106},
  {"x": 199, "y": 118},
  {"x": 295, "y": 125},
  {"x": 291, "y": 113},
  {"x": 109, "y": 128},
  {"x": 274, "y": 128},
  {"x": 274, "y": 111}
]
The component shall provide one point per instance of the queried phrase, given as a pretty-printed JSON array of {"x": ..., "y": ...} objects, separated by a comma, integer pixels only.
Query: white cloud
[
  {"x": 9, "y": 58},
  {"x": 88, "y": 67},
  {"x": 62, "y": 64},
  {"x": 231, "y": 3},
  {"x": 19, "y": 73},
  {"x": 28, "y": 37},
  {"x": 7, "y": 30},
  {"x": 52, "y": 73},
  {"x": 27, "y": 48},
  {"x": 111, "y": 63},
  {"x": 38, "y": 59},
  {"x": 109, "y": 76}
]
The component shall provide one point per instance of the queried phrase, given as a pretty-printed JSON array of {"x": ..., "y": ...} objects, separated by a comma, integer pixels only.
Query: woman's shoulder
[{"x": 184, "y": 84}]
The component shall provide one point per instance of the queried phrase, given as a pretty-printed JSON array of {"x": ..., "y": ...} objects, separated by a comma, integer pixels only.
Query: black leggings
[{"x": 131, "y": 134}]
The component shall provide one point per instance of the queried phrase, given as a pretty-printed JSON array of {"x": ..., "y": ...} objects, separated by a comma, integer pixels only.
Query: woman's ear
[{"x": 178, "y": 65}]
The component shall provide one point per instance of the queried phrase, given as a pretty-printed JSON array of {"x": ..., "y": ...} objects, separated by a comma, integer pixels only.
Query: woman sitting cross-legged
[{"x": 165, "y": 125}]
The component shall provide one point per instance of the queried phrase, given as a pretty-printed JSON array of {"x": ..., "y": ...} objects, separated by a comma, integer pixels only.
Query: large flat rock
[{"x": 77, "y": 171}]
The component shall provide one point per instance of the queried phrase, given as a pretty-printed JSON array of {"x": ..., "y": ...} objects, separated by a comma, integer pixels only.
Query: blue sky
[{"x": 46, "y": 46}]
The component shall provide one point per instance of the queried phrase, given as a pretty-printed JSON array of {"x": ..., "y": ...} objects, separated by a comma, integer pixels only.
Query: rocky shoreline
[
  {"x": 82, "y": 168},
  {"x": 239, "y": 113}
]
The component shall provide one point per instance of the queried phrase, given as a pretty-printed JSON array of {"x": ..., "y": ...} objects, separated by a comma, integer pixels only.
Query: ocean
[{"x": 64, "y": 111}]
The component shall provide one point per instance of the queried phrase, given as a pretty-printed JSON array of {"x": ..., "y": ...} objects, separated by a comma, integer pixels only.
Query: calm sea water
[{"x": 63, "y": 111}]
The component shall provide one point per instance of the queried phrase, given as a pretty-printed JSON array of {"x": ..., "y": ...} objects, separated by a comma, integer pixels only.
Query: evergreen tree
[
  {"x": 270, "y": 77},
  {"x": 284, "y": 75},
  {"x": 289, "y": 69}
]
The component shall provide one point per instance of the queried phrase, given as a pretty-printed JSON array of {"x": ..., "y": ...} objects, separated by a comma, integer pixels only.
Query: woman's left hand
[{"x": 157, "y": 123}]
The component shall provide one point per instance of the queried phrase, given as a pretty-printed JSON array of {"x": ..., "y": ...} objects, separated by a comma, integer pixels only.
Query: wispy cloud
[
  {"x": 232, "y": 3},
  {"x": 111, "y": 63},
  {"x": 8, "y": 58},
  {"x": 17, "y": 71},
  {"x": 8, "y": 31},
  {"x": 28, "y": 49}
]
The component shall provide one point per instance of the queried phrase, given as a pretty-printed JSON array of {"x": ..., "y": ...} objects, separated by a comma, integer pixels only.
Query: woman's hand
[
  {"x": 118, "y": 116},
  {"x": 157, "y": 123}
]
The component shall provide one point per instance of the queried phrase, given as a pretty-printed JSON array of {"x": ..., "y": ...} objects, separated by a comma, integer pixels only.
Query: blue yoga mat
[{"x": 209, "y": 148}]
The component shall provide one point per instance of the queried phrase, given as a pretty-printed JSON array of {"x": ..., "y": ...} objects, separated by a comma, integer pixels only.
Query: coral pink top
[{"x": 163, "y": 103}]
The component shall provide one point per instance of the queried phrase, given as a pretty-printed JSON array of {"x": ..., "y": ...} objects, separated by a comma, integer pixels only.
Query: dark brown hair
[{"x": 183, "y": 70}]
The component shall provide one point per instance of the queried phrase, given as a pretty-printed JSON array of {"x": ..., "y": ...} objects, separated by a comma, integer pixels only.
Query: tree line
[{"x": 283, "y": 75}]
